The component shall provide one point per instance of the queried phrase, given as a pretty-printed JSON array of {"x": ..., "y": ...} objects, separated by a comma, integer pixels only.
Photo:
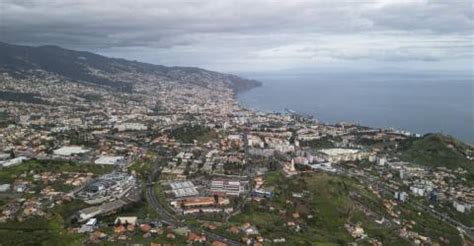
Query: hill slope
[
  {"x": 438, "y": 150},
  {"x": 86, "y": 67}
]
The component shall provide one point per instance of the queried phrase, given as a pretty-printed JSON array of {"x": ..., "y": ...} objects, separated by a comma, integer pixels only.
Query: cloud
[
  {"x": 225, "y": 33},
  {"x": 424, "y": 16},
  {"x": 381, "y": 47}
]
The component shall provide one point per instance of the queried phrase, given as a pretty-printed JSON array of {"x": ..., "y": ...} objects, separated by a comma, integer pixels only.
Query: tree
[{"x": 12, "y": 154}]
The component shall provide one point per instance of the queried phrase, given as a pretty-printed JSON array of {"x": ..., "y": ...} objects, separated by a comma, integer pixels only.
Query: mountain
[{"x": 87, "y": 67}]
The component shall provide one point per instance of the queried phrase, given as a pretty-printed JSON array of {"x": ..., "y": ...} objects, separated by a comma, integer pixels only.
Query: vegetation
[
  {"x": 68, "y": 209},
  {"x": 189, "y": 133},
  {"x": 467, "y": 219},
  {"x": 160, "y": 239},
  {"x": 38, "y": 231},
  {"x": 5, "y": 119},
  {"x": 327, "y": 198},
  {"x": 145, "y": 166},
  {"x": 21, "y": 97},
  {"x": 142, "y": 209},
  {"x": 436, "y": 150},
  {"x": 160, "y": 195},
  {"x": 332, "y": 201},
  {"x": 425, "y": 224},
  {"x": 158, "y": 109},
  {"x": 92, "y": 97},
  {"x": 142, "y": 168},
  {"x": 4, "y": 115},
  {"x": 10, "y": 173},
  {"x": 322, "y": 143},
  {"x": 49, "y": 230}
]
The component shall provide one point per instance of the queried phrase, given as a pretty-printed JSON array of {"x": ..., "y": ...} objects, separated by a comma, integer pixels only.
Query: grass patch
[
  {"x": 322, "y": 143},
  {"x": 188, "y": 133},
  {"x": 22, "y": 97},
  {"x": 430, "y": 226},
  {"x": 160, "y": 195},
  {"x": 10, "y": 173},
  {"x": 143, "y": 168},
  {"x": 326, "y": 199},
  {"x": 435, "y": 150},
  {"x": 38, "y": 231}
]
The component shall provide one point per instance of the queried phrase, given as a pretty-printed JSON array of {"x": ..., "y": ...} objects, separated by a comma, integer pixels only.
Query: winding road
[
  {"x": 170, "y": 219},
  {"x": 441, "y": 216}
]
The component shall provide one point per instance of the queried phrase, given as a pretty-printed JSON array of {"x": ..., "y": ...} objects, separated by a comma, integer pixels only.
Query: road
[
  {"x": 171, "y": 219},
  {"x": 443, "y": 217}
]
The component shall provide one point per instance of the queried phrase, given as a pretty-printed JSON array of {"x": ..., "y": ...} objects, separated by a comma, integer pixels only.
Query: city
[{"x": 161, "y": 160}]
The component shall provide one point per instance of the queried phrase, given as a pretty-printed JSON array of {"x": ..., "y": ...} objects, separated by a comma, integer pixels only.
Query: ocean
[{"x": 418, "y": 105}]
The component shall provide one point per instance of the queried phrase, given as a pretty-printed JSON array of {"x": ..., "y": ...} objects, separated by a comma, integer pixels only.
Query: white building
[
  {"x": 89, "y": 226},
  {"x": 417, "y": 190},
  {"x": 325, "y": 166},
  {"x": 184, "y": 189},
  {"x": 14, "y": 161},
  {"x": 401, "y": 196},
  {"x": 461, "y": 207},
  {"x": 110, "y": 160},
  {"x": 4, "y": 156},
  {"x": 229, "y": 187},
  {"x": 127, "y": 220},
  {"x": 255, "y": 141},
  {"x": 70, "y": 150},
  {"x": 339, "y": 154},
  {"x": 381, "y": 161},
  {"x": 234, "y": 137},
  {"x": 129, "y": 126},
  {"x": 5, "y": 187},
  {"x": 87, "y": 213}
]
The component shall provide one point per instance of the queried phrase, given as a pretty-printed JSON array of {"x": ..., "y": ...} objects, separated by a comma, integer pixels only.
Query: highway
[{"x": 170, "y": 219}]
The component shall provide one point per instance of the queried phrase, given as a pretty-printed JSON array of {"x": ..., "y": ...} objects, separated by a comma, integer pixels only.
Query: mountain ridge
[{"x": 91, "y": 68}]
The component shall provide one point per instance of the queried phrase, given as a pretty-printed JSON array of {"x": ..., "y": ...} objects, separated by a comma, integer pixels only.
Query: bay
[{"x": 418, "y": 105}]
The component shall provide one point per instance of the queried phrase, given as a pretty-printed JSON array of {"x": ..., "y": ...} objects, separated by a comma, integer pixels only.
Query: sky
[{"x": 251, "y": 36}]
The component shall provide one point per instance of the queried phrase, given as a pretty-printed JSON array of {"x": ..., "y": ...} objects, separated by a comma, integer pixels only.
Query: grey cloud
[
  {"x": 428, "y": 16},
  {"x": 161, "y": 24},
  {"x": 402, "y": 54},
  {"x": 196, "y": 31}
]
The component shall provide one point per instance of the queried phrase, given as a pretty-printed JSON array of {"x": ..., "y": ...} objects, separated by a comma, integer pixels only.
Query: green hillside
[
  {"x": 437, "y": 150},
  {"x": 329, "y": 200},
  {"x": 328, "y": 203}
]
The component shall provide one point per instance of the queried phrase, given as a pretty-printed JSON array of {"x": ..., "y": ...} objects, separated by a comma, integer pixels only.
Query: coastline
[{"x": 240, "y": 101}]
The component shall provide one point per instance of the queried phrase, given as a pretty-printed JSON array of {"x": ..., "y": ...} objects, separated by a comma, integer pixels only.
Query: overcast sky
[{"x": 255, "y": 36}]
